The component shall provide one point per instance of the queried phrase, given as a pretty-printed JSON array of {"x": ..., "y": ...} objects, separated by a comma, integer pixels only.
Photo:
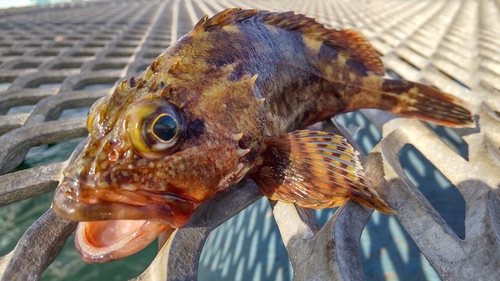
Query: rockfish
[{"x": 232, "y": 99}]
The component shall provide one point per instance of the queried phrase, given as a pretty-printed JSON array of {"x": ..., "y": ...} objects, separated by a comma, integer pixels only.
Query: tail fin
[{"x": 425, "y": 103}]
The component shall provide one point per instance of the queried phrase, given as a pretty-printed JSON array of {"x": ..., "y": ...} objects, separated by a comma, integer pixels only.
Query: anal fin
[{"x": 314, "y": 170}]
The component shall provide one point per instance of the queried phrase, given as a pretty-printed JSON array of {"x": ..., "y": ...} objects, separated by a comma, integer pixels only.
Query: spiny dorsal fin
[
  {"x": 225, "y": 17},
  {"x": 350, "y": 43},
  {"x": 314, "y": 170}
]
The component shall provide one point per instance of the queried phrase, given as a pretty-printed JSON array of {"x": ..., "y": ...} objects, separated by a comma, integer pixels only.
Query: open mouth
[
  {"x": 103, "y": 241},
  {"x": 115, "y": 223}
]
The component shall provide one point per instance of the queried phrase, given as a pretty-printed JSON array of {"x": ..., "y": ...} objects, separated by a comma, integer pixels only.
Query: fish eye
[
  {"x": 164, "y": 127},
  {"x": 155, "y": 127}
]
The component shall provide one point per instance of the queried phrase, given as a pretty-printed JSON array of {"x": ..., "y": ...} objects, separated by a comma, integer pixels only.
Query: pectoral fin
[{"x": 314, "y": 170}]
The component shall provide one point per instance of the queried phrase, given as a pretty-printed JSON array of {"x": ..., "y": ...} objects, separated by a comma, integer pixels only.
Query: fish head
[{"x": 159, "y": 146}]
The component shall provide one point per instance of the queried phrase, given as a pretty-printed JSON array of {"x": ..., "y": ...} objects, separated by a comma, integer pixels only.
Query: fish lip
[{"x": 75, "y": 201}]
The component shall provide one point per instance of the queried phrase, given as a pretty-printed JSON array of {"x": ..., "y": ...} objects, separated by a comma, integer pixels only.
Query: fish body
[{"x": 232, "y": 99}]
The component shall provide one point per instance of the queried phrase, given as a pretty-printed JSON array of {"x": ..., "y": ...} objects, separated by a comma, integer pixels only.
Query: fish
[{"x": 233, "y": 99}]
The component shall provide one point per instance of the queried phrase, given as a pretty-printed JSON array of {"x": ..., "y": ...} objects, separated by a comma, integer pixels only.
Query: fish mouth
[
  {"x": 103, "y": 241},
  {"x": 115, "y": 223}
]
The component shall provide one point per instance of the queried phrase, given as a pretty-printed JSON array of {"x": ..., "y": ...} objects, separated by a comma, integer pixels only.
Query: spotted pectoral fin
[{"x": 314, "y": 170}]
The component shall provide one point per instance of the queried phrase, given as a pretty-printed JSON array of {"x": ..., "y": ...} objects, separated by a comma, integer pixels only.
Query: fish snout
[{"x": 78, "y": 202}]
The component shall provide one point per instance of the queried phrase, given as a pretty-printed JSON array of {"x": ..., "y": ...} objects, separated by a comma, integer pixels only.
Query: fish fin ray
[
  {"x": 351, "y": 44},
  {"x": 226, "y": 17},
  {"x": 425, "y": 103},
  {"x": 354, "y": 44},
  {"x": 314, "y": 170}
]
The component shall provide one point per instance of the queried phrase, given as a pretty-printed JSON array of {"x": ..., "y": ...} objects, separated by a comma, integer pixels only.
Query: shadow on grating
[
  {"x": 452, "y": 139},
  {"x": 388, "y": 253},
  {"x": 246, "y": 247},
  {"x": 361, "y": 129},
  {"x": 95, "y": 83},
  {"x": 438, "y": 190}
]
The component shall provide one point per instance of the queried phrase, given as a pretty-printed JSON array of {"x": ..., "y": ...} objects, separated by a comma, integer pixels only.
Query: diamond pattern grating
[{"x": 55, "y": 61}]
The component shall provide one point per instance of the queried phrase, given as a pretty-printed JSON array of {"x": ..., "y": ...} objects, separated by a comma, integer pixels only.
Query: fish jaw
[
  {"x": 103, "y": 241},
  {"x": 75, "y": 202},
  {"x": 115, "y": 223}
]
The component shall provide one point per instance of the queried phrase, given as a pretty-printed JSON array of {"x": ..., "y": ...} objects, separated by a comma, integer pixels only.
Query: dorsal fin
[
  {"x": 349, "y": 43},
  {"x": 225, "y": 17}
]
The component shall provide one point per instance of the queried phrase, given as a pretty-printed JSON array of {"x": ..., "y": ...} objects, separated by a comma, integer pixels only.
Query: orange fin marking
[{"x": 314, "y": 170}]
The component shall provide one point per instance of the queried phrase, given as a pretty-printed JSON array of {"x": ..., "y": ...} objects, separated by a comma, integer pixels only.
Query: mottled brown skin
[{"x": 242, "y": 82}]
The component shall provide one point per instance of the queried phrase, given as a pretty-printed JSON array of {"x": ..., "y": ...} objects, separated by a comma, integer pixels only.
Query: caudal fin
[{"x": 425, "y": 103}]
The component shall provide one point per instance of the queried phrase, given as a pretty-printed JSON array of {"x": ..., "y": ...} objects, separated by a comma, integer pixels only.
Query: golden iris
[{"x": 155, "y": 127}]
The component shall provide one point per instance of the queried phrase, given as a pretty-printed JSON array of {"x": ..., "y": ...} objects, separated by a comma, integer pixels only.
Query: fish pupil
[{"x": 165, "y": 127}]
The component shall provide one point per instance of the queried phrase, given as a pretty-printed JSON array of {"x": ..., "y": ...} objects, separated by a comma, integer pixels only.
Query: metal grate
[{"x": 55, "y": 61}]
